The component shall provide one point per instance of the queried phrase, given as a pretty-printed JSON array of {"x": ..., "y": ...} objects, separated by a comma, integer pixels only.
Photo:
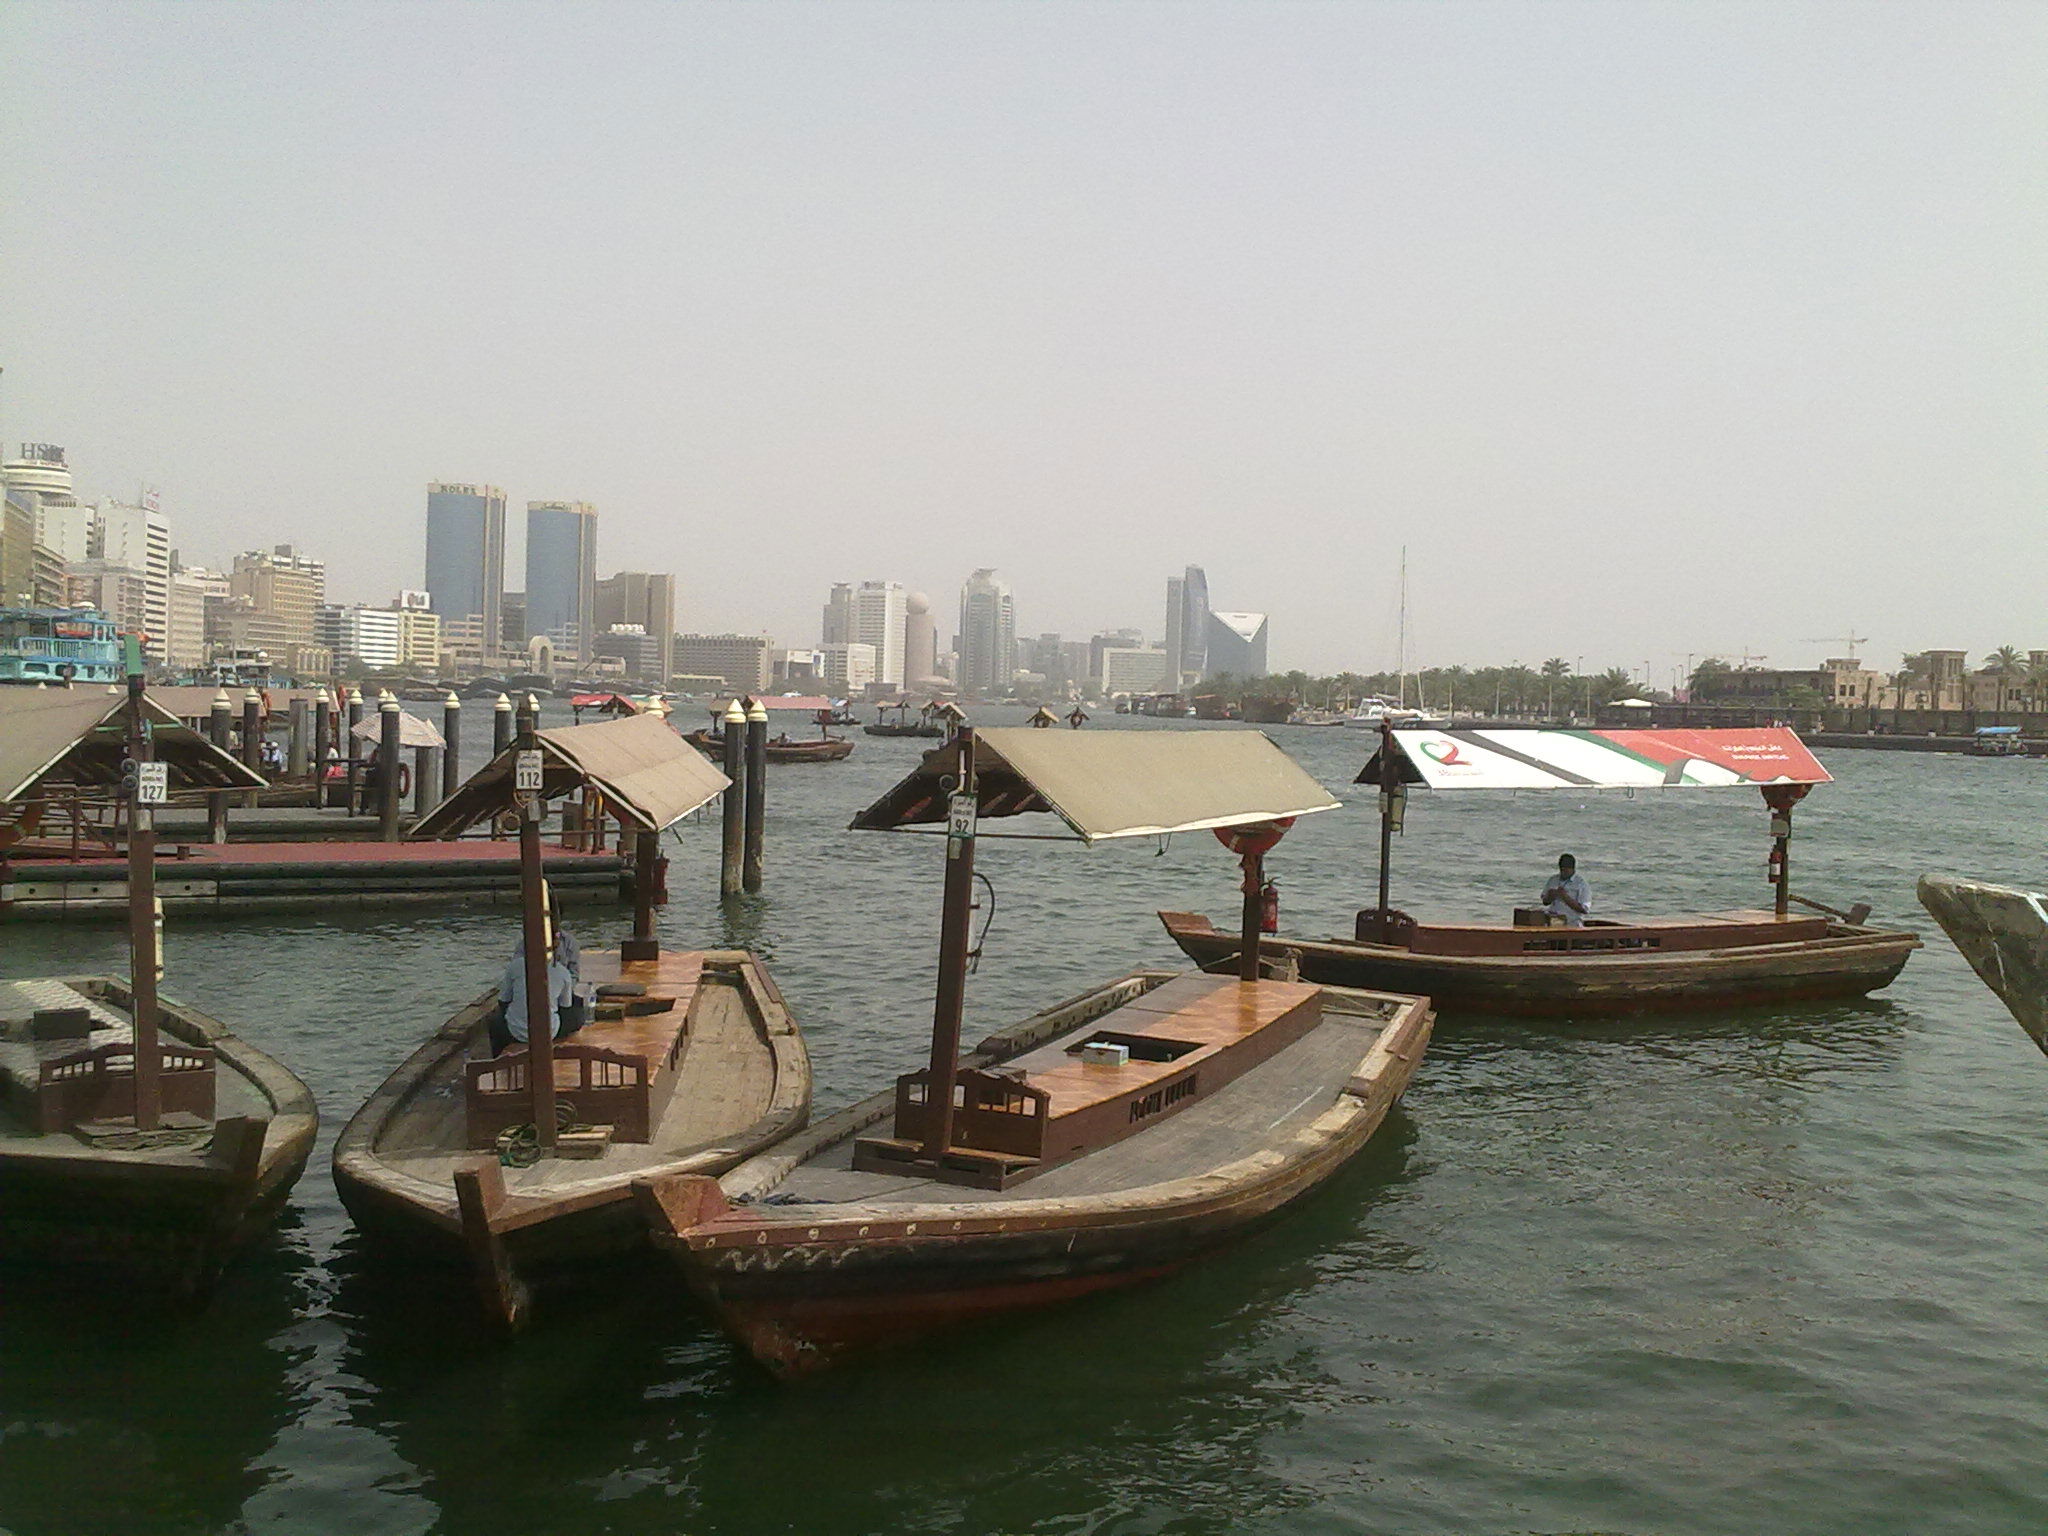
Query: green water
[{"x": 1766, "y": 1272}]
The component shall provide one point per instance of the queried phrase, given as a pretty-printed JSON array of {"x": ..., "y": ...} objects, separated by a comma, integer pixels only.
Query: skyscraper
[
  {"x": 920, "y": 641},
  {"x": 1237, "y": 645},
  {"x": 466, "y": 558},
  {"x": 879, "y": 611},
  {"x": 1187, "y": 626},
  {"x": 646, "y": 598},
  {"x": 838, "y": 626},
  {"x": 138, "y": 536},
  {"x": 988, "y": 635},
  {"x": 561, "y": 574}
]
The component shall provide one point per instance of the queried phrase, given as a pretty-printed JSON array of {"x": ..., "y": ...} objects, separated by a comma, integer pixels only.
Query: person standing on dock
[{"x": 1566, "y": 895}]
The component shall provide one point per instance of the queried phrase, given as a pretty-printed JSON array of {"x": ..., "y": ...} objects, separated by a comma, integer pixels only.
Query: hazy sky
[{"x": 1648, "y": 329}]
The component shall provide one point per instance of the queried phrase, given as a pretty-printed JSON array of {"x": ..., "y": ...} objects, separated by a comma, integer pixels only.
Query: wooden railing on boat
[{"x": 99, "y": 1084}]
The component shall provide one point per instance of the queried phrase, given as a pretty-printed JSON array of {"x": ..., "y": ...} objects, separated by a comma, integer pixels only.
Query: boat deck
[
  {"x": 1287, "y": 1090},
  {"x": 725, "y": 1082}
]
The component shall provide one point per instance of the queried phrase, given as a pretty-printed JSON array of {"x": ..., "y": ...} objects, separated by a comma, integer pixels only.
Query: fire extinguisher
[
  {"x": 1269, "y": 907},
  {"x": 1775, "y": 869}
]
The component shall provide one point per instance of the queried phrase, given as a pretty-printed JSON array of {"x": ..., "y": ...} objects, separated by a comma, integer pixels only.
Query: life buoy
[
  {"x": 404, "y": 780},
  {"x": 1254, "y": 838}
]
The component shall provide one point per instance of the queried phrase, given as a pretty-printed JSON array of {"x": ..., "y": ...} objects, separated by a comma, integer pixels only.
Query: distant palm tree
[
  {"x": 2008, "y": 665},
  {"x": 1915, "y": 671},
  {"x": 1553, "y": 670}
]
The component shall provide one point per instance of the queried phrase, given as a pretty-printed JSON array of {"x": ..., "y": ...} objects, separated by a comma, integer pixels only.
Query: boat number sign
[
  {"x": 959, "y": 817},
  {"x": 526, "y": 772},
  {"x": 152, "y": 783}
]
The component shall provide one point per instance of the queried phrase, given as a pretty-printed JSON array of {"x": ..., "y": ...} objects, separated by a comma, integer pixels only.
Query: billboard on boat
[{"x": 1651, "y": 759}]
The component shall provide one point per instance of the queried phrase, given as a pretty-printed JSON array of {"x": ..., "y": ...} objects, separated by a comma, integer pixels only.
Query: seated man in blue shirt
[
  {"x": 565, "y": 993},
  {"x": 1565, "y": 894}
]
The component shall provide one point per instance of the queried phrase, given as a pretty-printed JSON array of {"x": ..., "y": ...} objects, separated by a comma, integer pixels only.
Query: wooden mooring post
[
  {"x": 390, "y": 757},
  {"x": 757, "y": 795},
  {"x": 733, "y": 838},
  {"x": 451, "y": 754},
  {"x": 219, "y": 728}
]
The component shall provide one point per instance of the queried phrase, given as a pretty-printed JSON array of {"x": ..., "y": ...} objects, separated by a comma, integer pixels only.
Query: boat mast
[
  {"x": 143, "y": 953},
  {"x": 957, "y": 906},
  {"x": 1401, "y": 639}
]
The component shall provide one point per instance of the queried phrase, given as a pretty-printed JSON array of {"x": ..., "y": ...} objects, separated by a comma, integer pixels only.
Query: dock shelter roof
[
  {"x": 648, "y": 774},
  {"x": 1530, "y": 758},
  {"x": 412, "y": 730},
  {"x": 1108, "y": 784},
  {"x": 78, "y": 736}
]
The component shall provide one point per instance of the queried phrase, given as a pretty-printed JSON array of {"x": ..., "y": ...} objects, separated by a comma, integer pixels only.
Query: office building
[
  {"x": 138, "y": 535},
  {"x": 1132, "y": 669},
  {"x": 880, "y": 612},
  {"x": 285, "y": 585},
  {"x": 185, "y": 635},
  {"x": 360, "y": 637},
  {"x": 641, "y": 657},
  {"x": 920, "y": 643},
  {"x": 1237, "y": 645},
  {"x": 1187, "y": 625},
  {"x": 643, "y": 600},
  {"x": 837, "y": 626},
  {"x": 988, "y": 635},
  {"x": 849, "y": 668},
  {"x": 742, "y": 661},
  {"x": 466, "y": 556},
  {"x": 561, "y": 574}
]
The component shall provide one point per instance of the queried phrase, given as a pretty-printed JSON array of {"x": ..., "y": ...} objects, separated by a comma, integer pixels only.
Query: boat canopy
[
  {"x": 78, "y": 736},
  {"x": 412, "y": 730},
  {"x": 648, "y": 775},
  {"x": 1998, "y": 730},
  {"x": 617, "y": 702},
  {"x": 1646, "y": 759},
  {"x": 1110, "y": 784}
]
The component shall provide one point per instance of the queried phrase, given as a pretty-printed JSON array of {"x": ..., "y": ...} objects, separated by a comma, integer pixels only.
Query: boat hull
[
  {"x": 1850, "y": 964},
  {"x": 2003, "y": 933},
  {"x": 800, "y": 1293},
  {"x": 161, "y": 1221}
]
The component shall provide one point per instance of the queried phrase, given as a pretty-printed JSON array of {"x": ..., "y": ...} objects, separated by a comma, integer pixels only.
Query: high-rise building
[
  {"x": 880, "y": 610},
  {"x": 837, "y": 627},
  {"x": 850, "y": 667},
  {"x": 1187, "y": 625},
  {"x": 1134, "y": 669},
  {"x": 42, "y": 526},
  {"x": 287, "y": 586},
  {"x": 466, "y": 556},
  {"x": 920, "y": 642},
  {"x": 561, "y": 574},
  {"x": 1127, "y": 639},
  {"x": 1237, "y": 645},
  {"x": 647, "y": 600},
  {"x": 988, "y": 635},
  {"x": 744, "y": 661},
  {"x": 185, "y": 636},
  {"x": 361, "y": 636},
  {"x": 138, "y": 535}
]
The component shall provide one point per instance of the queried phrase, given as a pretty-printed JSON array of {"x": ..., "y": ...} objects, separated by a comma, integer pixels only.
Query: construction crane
[{"x": 1851, "y": 640}]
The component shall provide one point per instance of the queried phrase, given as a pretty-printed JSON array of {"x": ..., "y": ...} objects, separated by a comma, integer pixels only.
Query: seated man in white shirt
[{"x": 1565, "y": 894}]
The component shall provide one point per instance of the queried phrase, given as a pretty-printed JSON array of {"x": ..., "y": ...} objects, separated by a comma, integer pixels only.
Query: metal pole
[
  {"x": 451, "y": 755},
  {"x": 647, "y": 871},
  {"x": 219, "y": 725},
  {"x": 733, "y": 835},
  {"x": 539, "y": 940},
  {"x": 389, "y": 758},
  {"x": 142, "y": 941},
  {"x": 1248, "y": 943},
  {"x": 757, "y": 793},
  {"x": 949, "y": 999}
]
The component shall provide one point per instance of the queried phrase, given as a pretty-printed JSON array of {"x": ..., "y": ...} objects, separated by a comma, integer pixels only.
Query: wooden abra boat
[
  {"x": 523, "y": 1163},
  {"x": 2003, "y": 933},
  {"x": 1103, "y": 1142},
  {"x": 930, "y": 721},
  {"x": 82, "y": 1186},
  {"x": 1607, "y": 966},
  {"x": 781, "y": 749},
  {"x": 139, "y": 1139}
]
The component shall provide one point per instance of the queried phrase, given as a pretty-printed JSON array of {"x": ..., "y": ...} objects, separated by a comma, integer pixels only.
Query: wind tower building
[
  {"x": 988, "y": 635},
  {"x": 561, "y": 574},
  {"x": 466, "y": 561}
]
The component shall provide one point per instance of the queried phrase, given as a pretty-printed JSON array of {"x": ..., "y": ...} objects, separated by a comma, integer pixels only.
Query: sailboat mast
[{"x": 1401, "y": 638}]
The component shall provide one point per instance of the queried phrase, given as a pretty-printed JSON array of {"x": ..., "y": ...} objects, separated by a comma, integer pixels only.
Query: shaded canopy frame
[
  {"x": 649, "y": 776},
  {"x": 412, "y": 730},
  {"x": 1534, "y": 758},
  {"x": 52, "y": 737},
  {"x": 1112, "y": 784}
]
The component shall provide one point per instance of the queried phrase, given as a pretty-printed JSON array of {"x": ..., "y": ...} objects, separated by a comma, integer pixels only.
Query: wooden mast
[
  {"x": 956, "y": 908},
  {"x": 539, "y": 945},
  {"x": 143, "y": 954},
  {"x": 1253, "y": 918},
  {"x": 1390, "y": 778}
]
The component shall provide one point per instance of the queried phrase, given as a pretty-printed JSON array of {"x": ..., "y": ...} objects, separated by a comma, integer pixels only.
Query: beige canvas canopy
[
  {"x": 412, "y": 730},
  {"x": 1109, "y": 784},
  {"x": 77, "y": 736},
  {"x": 647, "y": 773}
]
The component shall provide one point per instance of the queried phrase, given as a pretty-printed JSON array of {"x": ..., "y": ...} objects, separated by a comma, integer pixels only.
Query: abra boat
[
  {"x": 2003, "y": 932},
  {"x": 1103, "y": 1142},
  {"x": 140, "y": 1141},
  {"x": 894, "y": 719},
  {"x": 521, "y": 1165},
  {"x": 1609, "y": 966}
]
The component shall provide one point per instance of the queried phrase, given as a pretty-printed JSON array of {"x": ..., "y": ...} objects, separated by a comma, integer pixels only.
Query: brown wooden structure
[{"x": 2003, "y": 933}]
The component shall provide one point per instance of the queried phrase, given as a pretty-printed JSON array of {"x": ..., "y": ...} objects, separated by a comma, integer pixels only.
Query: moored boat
[
  {"x": 1535, "y": 966},
  {"x": 1105, "y": 1141},
  {"x": 521, "y": 1164},
  {"x": 2003, "y": 932},
  {"x": 140, "y": 1141}
]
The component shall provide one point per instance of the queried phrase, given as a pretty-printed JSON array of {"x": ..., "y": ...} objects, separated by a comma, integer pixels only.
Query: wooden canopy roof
[{"x": 78, "y": 736}]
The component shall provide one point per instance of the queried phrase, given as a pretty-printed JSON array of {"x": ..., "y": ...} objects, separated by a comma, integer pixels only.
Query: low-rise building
[{"x": 743, "y": 661}]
